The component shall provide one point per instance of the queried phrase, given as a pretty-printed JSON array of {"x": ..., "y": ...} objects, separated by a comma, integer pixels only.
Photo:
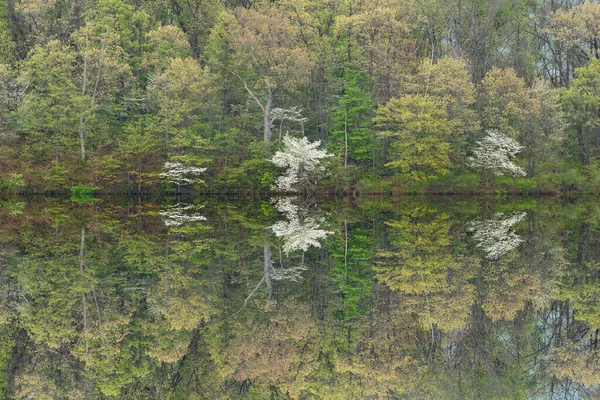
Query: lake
[{"x": 346, "y": 298}]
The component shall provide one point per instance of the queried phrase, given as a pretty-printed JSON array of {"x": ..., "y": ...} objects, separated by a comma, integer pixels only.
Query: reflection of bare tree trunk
[
  {"x": 266, "y": 278},
  {"x": 267, "y": 256},
  {"x": 346, "y": 251},
  {"x": 81, "y": 265}
]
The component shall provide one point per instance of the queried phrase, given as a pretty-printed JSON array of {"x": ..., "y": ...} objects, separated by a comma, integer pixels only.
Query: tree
[
  {"x": 582, "y": 106},
  {"x": 420, "y": 127},
  {"x": 7, "y": 45},
  {"x": 382, "y": 30},
  {"x": 492, "y": 154},
  {"x": 51, "y": 107},
  {"x": 197, "y": 18},
  {"x": 505, "y": 102},
  {"x": 103, "y": 72},
  {"x": 530, "y": 115},
  {"x": 165, "y": 43},
  {"x": 9, "y": 95},
  {"x": 302, "y": 160},
  {"x": 352, "y": 134},
  {"x": 181, "y": 174},
  {"x": 576, "y": 28},
  {"x": 448, "y": 82},
  {"x": 182, "y": 97},
  {"x": 266, "y": 42},
  {"x": 475, "y": 27},
  {"x": 292, "y": 114}
]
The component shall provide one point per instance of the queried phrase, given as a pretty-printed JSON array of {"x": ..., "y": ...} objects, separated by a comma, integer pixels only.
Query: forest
[{"x": 216, "y": 96}]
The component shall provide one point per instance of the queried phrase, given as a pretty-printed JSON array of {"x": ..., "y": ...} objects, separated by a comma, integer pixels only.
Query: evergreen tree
[{"x": 352, "y": 136}]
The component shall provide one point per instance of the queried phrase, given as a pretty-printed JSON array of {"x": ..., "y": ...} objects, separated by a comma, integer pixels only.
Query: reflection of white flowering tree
[
  {"x": 181, "y": 174},
  {"x": 492, "y": 154},
  {"x": 302, "y": 160},
  {"x": 493, "y": 235},
  {"x": 300, "y": 231},
  {"x": 180, "y": 214}
]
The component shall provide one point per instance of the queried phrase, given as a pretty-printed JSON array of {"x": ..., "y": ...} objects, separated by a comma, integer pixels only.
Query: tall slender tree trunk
[
  {"x": 266, "y": 108},
  {"x": 83, "y": 93},
  {"x": 345, "y": 136},
  {"x": 83, "y": 300},
  {"x": 267, "y": 116},
  {"x": 267, "y": 271}
]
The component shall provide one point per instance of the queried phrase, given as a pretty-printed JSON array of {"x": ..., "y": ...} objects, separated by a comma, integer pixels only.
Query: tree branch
[
  {"x": 250, "y": 91},
  {"x": 249, "y": 296}
]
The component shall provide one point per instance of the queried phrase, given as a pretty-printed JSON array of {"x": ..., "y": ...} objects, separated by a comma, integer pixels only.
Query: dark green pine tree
[
  {"x": 353, "y": 136},
  {"x": 7, "y": 45}
]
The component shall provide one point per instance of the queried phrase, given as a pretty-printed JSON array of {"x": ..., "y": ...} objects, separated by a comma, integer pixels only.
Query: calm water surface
[{"x": 299, "y": 298}]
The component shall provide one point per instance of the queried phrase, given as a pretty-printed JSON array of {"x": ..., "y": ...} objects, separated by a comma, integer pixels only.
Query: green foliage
[
  {"x": 82, "y": 193},
  {"x": 57, "y": 178},
  {"x": 13, "y": 183},
  {"x": 419, "y": 126},
  {"x": 352, "y": 122}
]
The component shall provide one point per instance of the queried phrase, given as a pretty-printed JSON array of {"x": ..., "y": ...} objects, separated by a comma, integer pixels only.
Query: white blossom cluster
[
  {"x": 293, "y": 274},
  {"x": 302, "y": 160},
  {"x": 179, "y": 173},
  {"x": 493, "y": 152},
  {"x": 179, "y": 215},
  {"x": 299, "y": 232},
  {"x": 287, "y": 114},
  {"x": 493, "y": 235}
]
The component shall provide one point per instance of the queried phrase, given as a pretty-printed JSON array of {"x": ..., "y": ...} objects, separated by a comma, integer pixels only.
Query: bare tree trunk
[
  {"x": 83, "y": 92},
  {"x": 81, "y": 265},
  {"x": 267, "y": 116},
  {"x": 266, "y": 108},
  {"x": 267, "y": 272},
  {"x": 346, "y": 251},
  {"x": 345, "y": 136}
]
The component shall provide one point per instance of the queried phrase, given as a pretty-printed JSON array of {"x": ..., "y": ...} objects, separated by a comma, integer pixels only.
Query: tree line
[{"x": 401, "y": 92}]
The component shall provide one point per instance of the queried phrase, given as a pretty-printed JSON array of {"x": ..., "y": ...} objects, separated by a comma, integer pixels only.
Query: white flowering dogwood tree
[
  {"x": 181, "y": 174},
  {"x": 302, "y": 160},
  {"x": 492, "y": 154},
  {"x": 494, "y": 237}
]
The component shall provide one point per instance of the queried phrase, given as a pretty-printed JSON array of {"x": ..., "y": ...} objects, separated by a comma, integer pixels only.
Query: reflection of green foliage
[
  {"x": 58, "y": 213},
  {"x": 13, "y": 207},
  {"x": 82, "y": 193},
  {"x": 352, "y": 271},
  {"x": 146, "y": 311},
  {"x": 582, "y": 289},
  {"x": 7, "y": 344},
  {"x": 419, "y": 257}
]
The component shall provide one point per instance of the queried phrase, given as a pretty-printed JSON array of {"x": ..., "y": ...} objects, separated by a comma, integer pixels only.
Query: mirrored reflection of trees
[
  {"x": 396, "y": 301},
  {"x": 494, "y": 237}
]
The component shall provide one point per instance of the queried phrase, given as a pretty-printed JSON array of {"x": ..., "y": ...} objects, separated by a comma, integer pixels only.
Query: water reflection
[
  {"x": 300, "y": 230},
  {"x": 494, "y": 235},
  {"x": 285, "y": 300},
  {"x": 181, "y": 214}
]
